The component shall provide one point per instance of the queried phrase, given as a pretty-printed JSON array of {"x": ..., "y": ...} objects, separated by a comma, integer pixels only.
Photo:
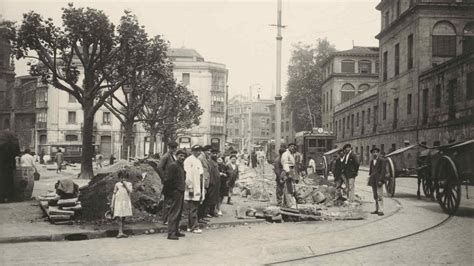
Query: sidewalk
[{"x": 24, "y": 222}]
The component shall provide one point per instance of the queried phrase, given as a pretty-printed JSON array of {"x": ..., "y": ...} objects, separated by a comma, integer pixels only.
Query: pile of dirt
[{"x": 96, "y": 196}]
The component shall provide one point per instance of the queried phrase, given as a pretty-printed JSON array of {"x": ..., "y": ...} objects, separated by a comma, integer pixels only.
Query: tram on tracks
[{"x": 313, "y": 144}]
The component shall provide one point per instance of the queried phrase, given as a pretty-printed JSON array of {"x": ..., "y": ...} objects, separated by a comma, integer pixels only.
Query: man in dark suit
[
  {"x": 339, "y": 178},
  {"x": 163, "y": 165},
  {"x": 175, "y": 183},
  {"x": 377, "y": 179},
  {"x": 350, "y": 170}
]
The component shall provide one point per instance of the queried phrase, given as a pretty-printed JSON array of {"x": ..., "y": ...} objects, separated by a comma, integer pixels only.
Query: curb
[{"x": 88, "y": 235}]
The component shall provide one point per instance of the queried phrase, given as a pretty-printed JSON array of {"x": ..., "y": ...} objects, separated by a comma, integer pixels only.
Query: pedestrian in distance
[
  {"x": 193, "y": 193},
  {"x": 377, "y": 179},
  {"x": 112, "y": 159},
  {"x": 311, "y": 166},
  {"x": 213, "y": 192},
  {"x": 205, "y": 157},
  {"x": 280, "y": 182},
  {"x": 233, "y": 176},
  {"x": 98, "y": 160},
  {"x": 121, "y": 201},
  {"x": 224, "y": 189},
  {"x": 27, "y": 162},
  {"x": 175, "y": 183},
  {"x": 59, "y": 159},
  {"x": 168, "y": 158},
  {"x": 350, "y": 170}
]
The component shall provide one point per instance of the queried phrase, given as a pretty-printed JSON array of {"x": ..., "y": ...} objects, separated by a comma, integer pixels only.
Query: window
[
  {"x": 43, "y": 139},
  {"x": 384, "y": 111},
  {"x": 287, "y": 126},
  {"x": 425, "y": 106},
  {"x": 394, "y": 147},
  {"x": 72, "y": 99},
  {"x": 348, "y": 66},
  {"x": 324, "y": 102},
  {"x": 452, "y": 86},
  {"x": 343, "y": 126},
  {"x": 386, "y": 18},
  {"x": 106, "y": 118},
  {"x": 468, "y": 38},
  {"x": 273, "y": 127},
  {"x": 470, "y": 85},
  {"x": 330, "y": 100},
  {"x": 71, "y": 117},
  {"x": 377, "y": 67},
  {"x": 376, "y": 117},
  {"x": 397, "y": 59},
  {"x": 363, "y": 87},
  {"x": 437, "y": 96},
  {"x": 368, "y": 116},
  {"x": 72, "y": 138},
  {"x": 398, "y": 8},
  {"x": 352, "y": 125},
  {"x": 347, "y": 92},
  {"x": 385, "y": 64},
  {"x": 362, "y": 122},
  {"x": 395, "y": 113},
  {"x": 185, "y": 78},
  {"x": 410, "y": 51},
  {"x": 365, "y": 66},
  {"x": 2, "y": 97},
  {"x": 409, "y": 104},
  {"x": 444, "y": 40},
  {"x": 357, "y": 119}
]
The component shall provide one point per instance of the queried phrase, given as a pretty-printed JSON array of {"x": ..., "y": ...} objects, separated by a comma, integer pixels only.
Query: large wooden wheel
[
  {"x": 428, "y": 186},
  {"x": 390, "y": 171},
  {"x": 449, "y": 186}
]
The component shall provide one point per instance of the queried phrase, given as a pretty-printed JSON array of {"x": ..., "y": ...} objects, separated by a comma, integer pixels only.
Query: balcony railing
[
  {"x": 41, "y": 104},
  {"x": 41, "y": 125}
]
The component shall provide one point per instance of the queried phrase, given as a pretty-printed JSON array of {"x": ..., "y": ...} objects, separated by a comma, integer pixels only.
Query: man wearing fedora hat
[
  {"x": 350, "y": 170},
  {"x": 377, "y": 179}
]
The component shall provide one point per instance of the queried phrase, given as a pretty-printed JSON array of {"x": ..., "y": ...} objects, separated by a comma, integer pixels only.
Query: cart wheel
[
  {"x": 449, "y": 187},
  {"x": 325, "y": 168},
  {"x": 428, "y": 187},
  {"x": 390, "y": 184}
]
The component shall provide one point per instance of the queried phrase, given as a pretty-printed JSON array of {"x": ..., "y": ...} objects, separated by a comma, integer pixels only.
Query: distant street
[{"x": 288, "y": 243}]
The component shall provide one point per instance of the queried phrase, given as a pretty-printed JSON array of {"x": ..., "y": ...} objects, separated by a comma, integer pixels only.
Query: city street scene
[{"x": 266, "y": 132}]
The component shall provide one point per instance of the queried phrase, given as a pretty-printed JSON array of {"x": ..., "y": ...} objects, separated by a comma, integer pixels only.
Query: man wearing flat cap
[
  {"x": 163, "y": 165},
  {"x": 176, "y": 183},
  {"x": 350, "y": 170},
  {"x": 377, "y": 179}
]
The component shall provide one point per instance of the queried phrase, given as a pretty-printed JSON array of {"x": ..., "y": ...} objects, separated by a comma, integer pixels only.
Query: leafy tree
[
  {"x": 305, "y": 82},
  {"x": 171, "y": 109},
  {"x": 79, "y": 58},
  {"x": 145, "y": 61}
]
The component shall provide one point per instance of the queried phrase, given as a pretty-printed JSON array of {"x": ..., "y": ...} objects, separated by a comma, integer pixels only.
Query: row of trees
[
  {"x": 92, "y": 59},
  {"x": 305, "y": 78}
]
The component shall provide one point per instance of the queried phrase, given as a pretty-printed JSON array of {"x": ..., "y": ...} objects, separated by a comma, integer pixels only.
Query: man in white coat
[{"x": 193, "y": 193}]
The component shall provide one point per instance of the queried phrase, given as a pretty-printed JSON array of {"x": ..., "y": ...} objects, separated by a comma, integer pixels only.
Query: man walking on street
[
  {"x": 350, "y": 170},
  {"x": 377, "y": 180},
  {"x": 162, "y": 168},
  {"x": 193, "y": 193},
  {"x": 59, "y": 158},
  {"x": 280, "y": 183},
  {"x": 289, "y": 175},
  {"x": 175, "y": 182}
]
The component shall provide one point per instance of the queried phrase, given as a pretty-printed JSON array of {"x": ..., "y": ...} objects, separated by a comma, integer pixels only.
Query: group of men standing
[
  {"x": 345, "y": 170},
  {"x": 195, "y": 183}
]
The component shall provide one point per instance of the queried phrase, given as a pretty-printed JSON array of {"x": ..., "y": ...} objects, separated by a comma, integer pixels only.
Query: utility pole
[
  {"x": 278, "y": 81},
  {"x": 249, "y": 147}
]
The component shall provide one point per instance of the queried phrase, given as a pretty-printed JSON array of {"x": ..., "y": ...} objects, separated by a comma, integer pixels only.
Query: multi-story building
[
  {"x": 208, "y": 81},
  {"x": 287, "y": 129},
  {"x": 345, "y": 75},
  {"x": 426, "y": 83},
  {"x": 239, "y": 131},
  {"x": 7, "y": 81}
]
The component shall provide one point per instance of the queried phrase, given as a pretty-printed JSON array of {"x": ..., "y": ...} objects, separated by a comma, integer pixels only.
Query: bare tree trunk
[
  {"x": 87, "y": 147},
  {"x": 151, "y": 149},
  {"x": 127, "y": 140}
]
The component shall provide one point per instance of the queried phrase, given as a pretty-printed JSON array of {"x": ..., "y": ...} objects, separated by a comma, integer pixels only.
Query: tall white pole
[
  {"x": 250, "y": 133},
  {"x": 278, "y": 82}
]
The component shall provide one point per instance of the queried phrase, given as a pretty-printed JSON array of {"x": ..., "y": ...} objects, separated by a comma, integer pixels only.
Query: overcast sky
[{"x": 235, "y": 33}]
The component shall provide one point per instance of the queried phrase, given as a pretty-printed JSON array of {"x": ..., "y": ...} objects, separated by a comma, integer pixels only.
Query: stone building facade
[
  {"x": 7, "y": 82},
  {"x": 346, "y": 74},
  {"x": 240, "y": 110},
  {"x": 424, "y": 94},
  {"x": 208, "y": 80},
  {"x": 287, "y": 129}
]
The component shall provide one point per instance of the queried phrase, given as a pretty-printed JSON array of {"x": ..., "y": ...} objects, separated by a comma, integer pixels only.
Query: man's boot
[{"x": 229, "y": 201}]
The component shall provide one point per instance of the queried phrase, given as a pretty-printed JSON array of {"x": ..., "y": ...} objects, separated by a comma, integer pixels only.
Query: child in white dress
[{"x": 121, "y": 202}]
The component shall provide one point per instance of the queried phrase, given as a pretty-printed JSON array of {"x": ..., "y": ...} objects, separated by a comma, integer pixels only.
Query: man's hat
[
  {"x": 374, "y": 149},
  {"x": 173, "y": 144},
  {"x": 178, "y": 152},
  {"x": 196, "y": 147},
  {"x": 347, "y": 146},
  {"x": 291, "y": 144},
  {"x": 214, "y": 150},
  {"x": 207, "y": 147}
]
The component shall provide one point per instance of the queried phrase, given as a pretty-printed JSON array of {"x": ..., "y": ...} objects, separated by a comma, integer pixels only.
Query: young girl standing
[{"x": 121, "y": 203}]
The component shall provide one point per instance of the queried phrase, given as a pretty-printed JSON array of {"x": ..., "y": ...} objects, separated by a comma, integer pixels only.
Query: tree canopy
[{"x": 305, "y": 81}]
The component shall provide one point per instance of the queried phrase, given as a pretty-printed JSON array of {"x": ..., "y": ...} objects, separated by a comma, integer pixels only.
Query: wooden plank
[
  {"x": 73, "y": 208},
  {"x": 67, "y": 202}
]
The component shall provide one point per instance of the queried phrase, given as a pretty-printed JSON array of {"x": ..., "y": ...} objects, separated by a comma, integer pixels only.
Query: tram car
[{"x": 313, "y": 144}]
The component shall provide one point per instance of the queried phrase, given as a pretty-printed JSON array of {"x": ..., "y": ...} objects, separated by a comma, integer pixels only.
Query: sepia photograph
[{"x": 236, "y": 132}]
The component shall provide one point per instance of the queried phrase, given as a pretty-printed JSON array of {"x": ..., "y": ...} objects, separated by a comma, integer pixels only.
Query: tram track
[{"x": 302, "y": 258}]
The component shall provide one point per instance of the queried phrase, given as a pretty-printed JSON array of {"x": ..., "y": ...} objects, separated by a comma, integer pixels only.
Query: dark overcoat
[{"x": 376, "y": 172}]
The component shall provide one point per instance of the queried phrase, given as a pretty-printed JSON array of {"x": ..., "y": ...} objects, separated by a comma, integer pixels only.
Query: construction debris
[{"x": 59, "y": 211}]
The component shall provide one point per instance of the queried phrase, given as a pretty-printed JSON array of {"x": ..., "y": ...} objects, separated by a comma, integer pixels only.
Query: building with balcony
[
  {"x": 7, "y": 82},
  {"x": 345, "y": 75},
  {"x": 208, "y": 80},
  {"x": 242, "y": 133}
]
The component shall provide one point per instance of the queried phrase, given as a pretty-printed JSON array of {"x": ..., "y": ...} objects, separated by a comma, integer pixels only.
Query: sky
[{"x": 236, "y": 33}]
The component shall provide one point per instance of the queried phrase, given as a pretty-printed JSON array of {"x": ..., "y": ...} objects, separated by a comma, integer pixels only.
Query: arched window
[
  {"x": 443, "y": 39},
  {"x": 347, "y": 92},
  {"x": 365, "y": 66},
  {"x": 348, "y": 66},
  {"x": 71, "y": 138},
  {"x": 363, "y": 87},
  {"x": 468, "y": 38}
]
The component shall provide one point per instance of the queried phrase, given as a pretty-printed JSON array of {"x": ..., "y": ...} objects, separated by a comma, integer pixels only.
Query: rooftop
[
  {"x": 355, "y": 51},
  {"x": 184, "y": 53}
]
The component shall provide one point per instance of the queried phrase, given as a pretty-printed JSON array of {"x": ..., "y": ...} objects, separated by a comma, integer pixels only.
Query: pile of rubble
[{"x": 96, "y": 196}]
